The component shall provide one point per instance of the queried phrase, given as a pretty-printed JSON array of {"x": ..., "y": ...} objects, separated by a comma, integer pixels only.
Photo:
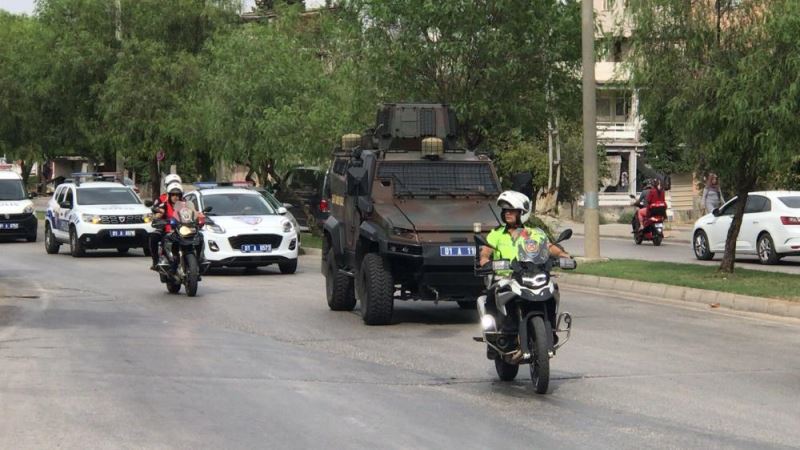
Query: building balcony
[
  {"x": 617, "y": 131},
  {"x": 608, "y": 72}
]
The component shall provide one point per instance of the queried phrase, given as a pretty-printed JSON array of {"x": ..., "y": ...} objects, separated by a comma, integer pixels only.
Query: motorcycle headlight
[
  {"x": 90, "y": 218},
  {"x": 287, "y": 226},
  {"x": 215, "y": 228},
  {"x": 185, "y": 231},
  {"x": 535, "y": 281},
  {"x": 28, "y": 210}
]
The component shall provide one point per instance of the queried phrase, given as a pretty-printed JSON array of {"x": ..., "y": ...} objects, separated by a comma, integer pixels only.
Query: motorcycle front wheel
[
  {"x": 539, "y": 341},
  {"x": 192, "y": 274}
]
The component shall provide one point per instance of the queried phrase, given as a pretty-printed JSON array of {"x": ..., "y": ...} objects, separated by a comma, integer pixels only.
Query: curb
[
  {"x": 308, "y": 251},
  {"x": 613, "y": 236},
  {"x": 735, "y": 302}
]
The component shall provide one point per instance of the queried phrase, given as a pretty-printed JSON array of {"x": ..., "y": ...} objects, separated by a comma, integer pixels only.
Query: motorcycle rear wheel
[
  {"x": 506, "y": 371},
  {"x": 173, "y": 287},
  {"x": 539, "y": 336},
  {"x": 192, "y": 274}
]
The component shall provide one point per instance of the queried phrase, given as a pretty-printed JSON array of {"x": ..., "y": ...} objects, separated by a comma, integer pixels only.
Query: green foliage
[{"x": 626, "y": 217}]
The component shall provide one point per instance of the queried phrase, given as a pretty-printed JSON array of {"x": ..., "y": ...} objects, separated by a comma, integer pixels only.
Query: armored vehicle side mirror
[
  {"x": 282, "y": 210},
  {"x": 357, "y": 181},
  {"x": 148, "y": 203},
  {"x": 566, "y": 234}
]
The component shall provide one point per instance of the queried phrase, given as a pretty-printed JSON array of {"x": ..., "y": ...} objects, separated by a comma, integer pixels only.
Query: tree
[
  {"x": 724, "y": 82},
  {"x": 491, "y": 60}
]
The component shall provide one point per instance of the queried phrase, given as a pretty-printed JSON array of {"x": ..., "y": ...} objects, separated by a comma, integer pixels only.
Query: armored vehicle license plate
[{"x": 456, "y": 250}]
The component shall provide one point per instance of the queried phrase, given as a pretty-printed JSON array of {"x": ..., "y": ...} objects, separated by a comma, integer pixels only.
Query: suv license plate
[
  {"x": 122, "y": 233},
  {"x": 456, "y": 250},
  {"x": 9, "y": 226},
  {"x": 250, "y": 248}
]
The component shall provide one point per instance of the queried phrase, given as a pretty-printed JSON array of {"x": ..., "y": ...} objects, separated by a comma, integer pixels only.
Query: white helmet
[
  {"x": 172, "y": 178},
  {"x": 174, "y": 187},
  {"x": 516, "y": 200}
]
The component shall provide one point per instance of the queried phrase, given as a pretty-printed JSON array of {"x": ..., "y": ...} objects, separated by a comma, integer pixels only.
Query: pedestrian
[
  {"x": 623, "y": 182},
  {"x": 712, "y": 194}
]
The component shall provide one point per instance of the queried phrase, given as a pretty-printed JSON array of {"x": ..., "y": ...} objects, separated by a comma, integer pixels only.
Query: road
[
  {"x": 674, "y": 252},
  {"x": 95, "y": 353}
]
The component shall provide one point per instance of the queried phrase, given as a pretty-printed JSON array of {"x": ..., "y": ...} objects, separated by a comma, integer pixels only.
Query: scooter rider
[
  {"x": 516, "y": 210},
  {"x": 654, "y": 194},
  {"x": 164, "y": 209}
]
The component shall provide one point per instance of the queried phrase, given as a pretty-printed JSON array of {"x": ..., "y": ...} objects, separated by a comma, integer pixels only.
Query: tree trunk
[
  {"x": 729, "y": 258},
  {"x": 155, "y": 179}
]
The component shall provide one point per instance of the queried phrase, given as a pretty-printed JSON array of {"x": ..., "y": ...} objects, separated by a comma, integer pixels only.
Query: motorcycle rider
[
  {"x": 516, "y": 210},
  {"x": 164, "y": 209},
  {"x": 654, "y": 194}
]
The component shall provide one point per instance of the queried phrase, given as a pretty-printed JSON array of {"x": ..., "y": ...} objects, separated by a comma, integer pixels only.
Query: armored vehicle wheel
[
  {"x": 338, "y": 286},
  {"x": 375, "y": 290},
  {"x": 467, "y": 304}
]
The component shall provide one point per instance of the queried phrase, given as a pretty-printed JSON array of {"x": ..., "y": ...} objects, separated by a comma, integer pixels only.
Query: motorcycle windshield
[
  {"x": 533, "y": 250},
  {"x": 184, "y": 212}
]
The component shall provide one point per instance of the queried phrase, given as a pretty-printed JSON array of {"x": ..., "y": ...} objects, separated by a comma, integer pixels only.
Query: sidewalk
[{"x": 673, "y": 232}]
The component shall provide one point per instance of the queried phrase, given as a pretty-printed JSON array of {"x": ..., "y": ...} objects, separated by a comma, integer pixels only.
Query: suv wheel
[
  {"x": 51, "y": 245},
  {"x": 289, "y": 267},
  {"x": 375, "y": 290},
  {"x": 75, "y": 246},
  {"x": 338, "y": 286}
]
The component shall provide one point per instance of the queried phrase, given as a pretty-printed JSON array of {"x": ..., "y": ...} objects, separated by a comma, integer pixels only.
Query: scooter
[
  {"x": 523, "y": 325},
  {"x": 653, "y": 227},
  {"x": 181, "y": 261}
]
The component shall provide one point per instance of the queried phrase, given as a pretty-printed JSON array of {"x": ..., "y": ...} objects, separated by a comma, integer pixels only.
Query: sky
[{"x": 26, "y": 6}]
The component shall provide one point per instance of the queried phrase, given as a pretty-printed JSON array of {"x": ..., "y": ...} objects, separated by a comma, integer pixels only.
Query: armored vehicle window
[
  {"x": 430, "y": 178},
  {"x": 339, "y": 166}
]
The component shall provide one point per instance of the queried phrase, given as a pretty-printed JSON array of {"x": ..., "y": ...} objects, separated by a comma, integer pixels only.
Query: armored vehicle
[{"x": 405, "y": 202}]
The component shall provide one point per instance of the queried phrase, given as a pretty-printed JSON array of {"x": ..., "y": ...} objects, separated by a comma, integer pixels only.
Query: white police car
[
  {"x": 96, "y": 215},
  {"x": 16, "y": 209},
  {"x": 244, "y": 230}
]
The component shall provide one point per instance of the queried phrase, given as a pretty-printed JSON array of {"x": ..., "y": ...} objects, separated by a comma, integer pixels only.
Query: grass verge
[
  {"x": 744, "y": 282},
  {"x": 310, "y": 241}
]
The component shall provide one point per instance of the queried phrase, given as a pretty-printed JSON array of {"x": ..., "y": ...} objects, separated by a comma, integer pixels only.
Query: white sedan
[
  {"x": 243, "y": 230},
  {"x": 770, "y": 227}
]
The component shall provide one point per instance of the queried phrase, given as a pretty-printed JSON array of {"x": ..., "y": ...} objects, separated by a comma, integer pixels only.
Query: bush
[
  {"x": 626, "y": 217},
  {"x": 535, "y": 222}
]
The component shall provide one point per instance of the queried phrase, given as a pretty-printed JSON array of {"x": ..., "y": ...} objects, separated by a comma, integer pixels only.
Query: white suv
[
  {"x": 16, "y": 210},
  {"x": 96, "y": 215},
  {"x": 244, "y": 230}
]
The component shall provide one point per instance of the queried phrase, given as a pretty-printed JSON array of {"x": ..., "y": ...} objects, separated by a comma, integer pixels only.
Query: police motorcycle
[
  {"x": 523, "y": 326},
  {"x": 181, "y": 250}
]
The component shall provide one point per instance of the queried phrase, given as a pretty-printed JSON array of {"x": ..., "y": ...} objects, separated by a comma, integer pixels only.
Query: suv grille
[
  {"x": 121, "y": 220},
  {"x": 272, "y": 239}
]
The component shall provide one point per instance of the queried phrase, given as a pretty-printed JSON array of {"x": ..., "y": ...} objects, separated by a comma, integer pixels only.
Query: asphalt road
[
  {"x": 674, "y": 252},
  {"x": 95, "y": 353}
]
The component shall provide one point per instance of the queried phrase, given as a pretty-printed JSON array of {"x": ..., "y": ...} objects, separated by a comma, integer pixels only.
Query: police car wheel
[
  {"x": 75, "y": 247},
  {"x": 51, "y": 245}
]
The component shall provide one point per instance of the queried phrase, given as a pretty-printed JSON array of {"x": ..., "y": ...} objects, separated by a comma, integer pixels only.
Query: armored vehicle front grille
[
  {"x": 121, "y": 220},
  {"x": 446, "y": 178},
  {"x": 272, "y": 239}
]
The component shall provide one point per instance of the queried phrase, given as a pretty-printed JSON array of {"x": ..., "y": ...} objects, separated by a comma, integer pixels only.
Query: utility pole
[
  {"x": 591, "y": 214},
  {"x": 120, "y": 163}
]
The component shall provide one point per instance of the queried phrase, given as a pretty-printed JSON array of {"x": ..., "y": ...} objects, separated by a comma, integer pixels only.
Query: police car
[
  {"x": 96, "y": 215},
  {"x": 16, "y": 209},
  {"x": 244, "y": 230}
]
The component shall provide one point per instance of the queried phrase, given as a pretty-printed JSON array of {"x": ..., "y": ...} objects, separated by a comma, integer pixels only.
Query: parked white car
[
  {"x": 244, "y": 230},
  {"x": 16, "y": 209},
  {"x": 96, "y": 215},
  {"x": 770, "y": 227}
]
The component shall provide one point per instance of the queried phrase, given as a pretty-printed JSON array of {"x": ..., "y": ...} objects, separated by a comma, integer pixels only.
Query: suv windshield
[
  {"x": 107, "y": 196},
  {"x": 237, "y": 205},
  {"x": 791, "y": 202},
  {"x": 11, "y": 190},
  {"x": 445, "y": 178}
]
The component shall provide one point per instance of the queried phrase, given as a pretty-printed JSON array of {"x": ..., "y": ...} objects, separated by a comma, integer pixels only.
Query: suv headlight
[
  {"x": 90, "y": 218},
  {"x": 215, "y": 228},
  {"x": 287, "y": 226},
  {"x": 28, "y": 210},
  {"x": 147, "y": 217}
]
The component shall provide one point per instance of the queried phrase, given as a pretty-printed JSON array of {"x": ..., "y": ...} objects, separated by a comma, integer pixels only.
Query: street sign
[{"x": 160, "y": 155}]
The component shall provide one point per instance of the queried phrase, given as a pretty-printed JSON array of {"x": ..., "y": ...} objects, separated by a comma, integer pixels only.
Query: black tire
[
  {"x": 468, "y": 304},
  {"x": 289, "y": 267},
  {"x": 766, "y": 250},
  {"x": 31, "y": 238},
  {"x": 146, "y": 250},
  {"x": 51, "y": 245},
  {"x": 702, "y": 248},
  {"x": 657, "y": 238},
  {"x": 123, "y": 250},
  {"x": 638, "y": 238},
  {"x": 75, "y": 247},
  {"x": 539, "y": 336},
  {"x": 192, "y": 274},
  {"x": 339, "y": 288},
  {"x": 506, "y": 371},
  {"x": 376, "y": 290},
  {"x": 173, "y": 287}
]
